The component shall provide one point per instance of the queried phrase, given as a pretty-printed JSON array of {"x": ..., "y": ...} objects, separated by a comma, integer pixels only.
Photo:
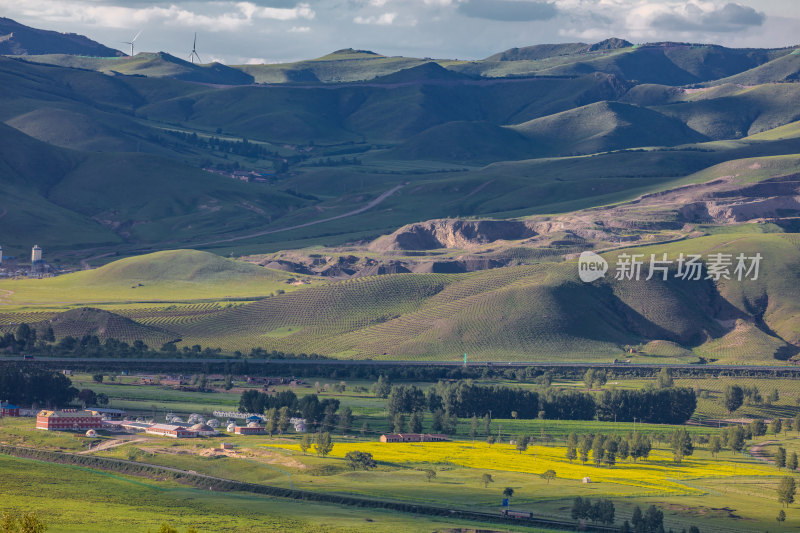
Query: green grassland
[
  {"x": 81, "y": 499},
  {"x": 537, "y": 311},
  {"x": 718, "y": 502}
]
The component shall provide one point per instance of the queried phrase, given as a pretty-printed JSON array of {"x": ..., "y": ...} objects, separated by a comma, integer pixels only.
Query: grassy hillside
[
  {"x": 532, "y": 312},
  {"x": 785, "y": 68},
  {"x": 605, "y": 126},
  {"x": 162, "y": 276},
  {"x": 156, "y": 65},
  {"x": 19, "y": 39}
]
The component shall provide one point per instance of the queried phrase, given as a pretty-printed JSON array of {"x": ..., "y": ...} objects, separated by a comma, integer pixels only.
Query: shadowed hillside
[{"x": 18, "y": 39}]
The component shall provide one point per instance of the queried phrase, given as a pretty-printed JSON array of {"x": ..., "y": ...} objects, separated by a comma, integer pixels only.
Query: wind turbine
[
  {"x": 133, "y": 41},
  {"x": 194, "y": 51}
]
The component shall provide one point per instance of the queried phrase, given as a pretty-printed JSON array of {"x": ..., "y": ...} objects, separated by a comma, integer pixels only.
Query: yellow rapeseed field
[{"x": 656, "y": 475}]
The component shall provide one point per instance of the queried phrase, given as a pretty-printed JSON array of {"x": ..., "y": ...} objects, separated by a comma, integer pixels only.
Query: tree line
[
  {"x": 464, "y": 399},
  {"x": 42, "y": 341},
  {"x": 33, "y": 386}
]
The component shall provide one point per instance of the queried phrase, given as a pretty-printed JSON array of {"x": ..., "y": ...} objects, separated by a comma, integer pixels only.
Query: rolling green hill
[
  {"x": 785, "y": 68},
  {"x": 605, "y": 126},
  {"x": 169, "y": 276},
  {"x": 156, "y": 65},
  {"x": 515, "y": 313}
]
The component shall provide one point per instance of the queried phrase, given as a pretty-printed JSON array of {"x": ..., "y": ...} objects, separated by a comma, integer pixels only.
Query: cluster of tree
[
  {"x": 261, "y": 353},
  {"x": 329, "y": 162},
  {"x": 89, "y": 398},
  {"x": 734, "y": 396},
  {"x": 28, "y": 340},
  {"x": 285, "y": 404},
  {"x": 321, "y": 442},
  {"x": 464, "y": 398},
  {"x": 651, "y": 521},
  {"x": 33, "y": 386},
  {"x": 673, "y": 405},
  {"x": 241, "y": 147},
  {"x": 601, "y": 511},
  {"x": 607, "y": 449}
]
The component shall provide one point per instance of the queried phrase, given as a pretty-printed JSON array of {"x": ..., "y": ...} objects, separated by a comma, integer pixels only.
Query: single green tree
[
  {"x": 776, "y": 426},
  {"x": 486, "y": 479},
  {"x": 508, "y": 492},
  {"x": 283, "y": 419},
  {"x": 271, "y": 424},
  {"x": 548, "y": 475},
  {"x": 714, "y": 445},
  {"x": 430, "y": 474},
  {"x": 522, "y": 443},
  {"x": 786, "y": 491},
  {"x": 97, "y": 378},
  {"x": 780, "y": 457},
  {"x": 791, "y": 462},
  {"x": 323, "y": 444},
  {"x": 584, "y": 446},
  {"x": 733, "y": 397},
  {"x": 598, "y": 452},
  {"x": 781, "y": 516},
  {"x": 681, "y": 443},
  {"x": 362, "y": 460},
  {"x": 490, "y": 440},
  {"x": 305, "y": 443}
]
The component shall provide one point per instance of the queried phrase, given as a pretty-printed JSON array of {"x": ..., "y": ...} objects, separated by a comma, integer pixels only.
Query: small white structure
[
  {"x": 231, "y": 428},
  {"x": 299, "y": 424},
  {"x": 587, "y": 479},
  {"x": 91, "y": 433},
  {"x": 214, "y": 423}
]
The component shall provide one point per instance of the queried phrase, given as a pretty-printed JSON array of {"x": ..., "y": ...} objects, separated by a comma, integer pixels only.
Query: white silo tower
[
  {"x": 1, "y": 256},
  {"x": 36, "y": 254}
]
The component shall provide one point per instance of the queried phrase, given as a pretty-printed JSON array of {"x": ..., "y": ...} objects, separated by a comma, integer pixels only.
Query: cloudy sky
[{"x": 257, "y": 31}]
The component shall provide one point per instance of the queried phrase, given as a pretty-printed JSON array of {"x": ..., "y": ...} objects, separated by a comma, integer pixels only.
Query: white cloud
[
  {"x": 385, "y": 19},
  {"x": 300, "y": 29},
  {"x": 232, "y": 16}
]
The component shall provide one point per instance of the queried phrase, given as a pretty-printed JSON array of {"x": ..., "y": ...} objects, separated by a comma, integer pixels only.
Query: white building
[{"x": 36, "y": 254}]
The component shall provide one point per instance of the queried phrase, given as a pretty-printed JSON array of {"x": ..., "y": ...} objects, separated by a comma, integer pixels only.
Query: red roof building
[
  {"x": 167, "y": 430},
  {"x": 69, "y": 420}
]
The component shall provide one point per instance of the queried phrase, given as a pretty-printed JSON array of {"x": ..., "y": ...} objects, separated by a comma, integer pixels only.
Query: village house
[
  {"x": 413, "y": 437},
  {"x": 68, "y": 420},
  {"x": 168, "y": 430},
  {"x": 252, "y": 428},
  {"x": 7, "y": 409}
]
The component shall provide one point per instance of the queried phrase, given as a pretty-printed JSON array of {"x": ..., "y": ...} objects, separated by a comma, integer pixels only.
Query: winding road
[
  {"x": 85, "y": 262},
  {"x": 360, "y": 210}
]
